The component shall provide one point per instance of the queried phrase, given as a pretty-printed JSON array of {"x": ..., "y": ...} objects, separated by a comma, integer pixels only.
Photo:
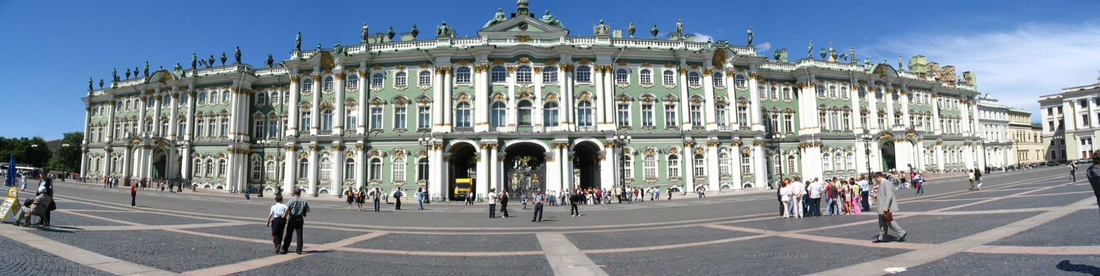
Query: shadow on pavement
[{"x": 1065, "y": 265}]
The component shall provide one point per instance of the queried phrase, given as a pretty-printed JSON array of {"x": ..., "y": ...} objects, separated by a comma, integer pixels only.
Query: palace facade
[
  {"x": 1070, "y": 121},
  {"x": 525, "y": 106}
]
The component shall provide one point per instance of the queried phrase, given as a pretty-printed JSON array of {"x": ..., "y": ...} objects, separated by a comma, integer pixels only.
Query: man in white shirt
[
  {"x": 492, "y": 203},
  {"x": 815, "y": 198},
  {"x": 796, "y": 196}
]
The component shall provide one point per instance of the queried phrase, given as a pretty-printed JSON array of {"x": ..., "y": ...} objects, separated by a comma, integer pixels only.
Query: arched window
[
  {"x": 326, "y": 168},
  {"x": 400, "y": 116},
  {"x": 774, "y": 93},
  {"x": 462, "y": 75},
  {"x": 628, "y": 166},
  {"x": 376, "y": 80},
  {"x": 821, "y": 93},
  {"x": 649, "y": 167},
  {"x": 209, "y": 168},
  {"x": 199, "y": 125},
  {"x": 700, "y": 165},
  {"x": 163, "y": 127},
  {"x": 258, "y": 126},
  {"x": 303, "y": 168},
  {"x": 762, "y": 91},
  {"x": 183, "y": 100},
  {"x": 670, "y": 115},
  {"x": 326, "y": 120},
  {"x": 326, "y": 85},
  {"x": 584, "y": 73},
  {"x": 261, "y": 99},
  {"x": 791, "y": 163},
  {"x": 225, "y": 126},
  {"x": 225, "y": 96},
  {"x": 647, "y": 114},
  {"x": 376, "y": 117},
  {"x": 852, "y": 161},
  {"x": 525, "y": 112},
  {"x": 718, "y": 79},
  {"x": 270, "y": 170},
  {"x": 375, "y": 169},
  {"x": 674, "y": 166},
  {"x": 307, "y": 85},
  {"x": 746, "y": 163},
  {"x": 724, "y": 163},
  {"x": 668, "y": 78},
  {"x": 353, "y": 82},
  {"x": 693, "y": 79},
  {"x": 622, "y": 112},
  {"x": 523, "y": 74},
  {"x": 549, "y": 74},
  {"x": 826, "y": 163},
  {"x": 550, "y": 114},
  {"x": 741, "y": 82},
  {"x": 275, "y": 98},
  {"x": 400, "y": 79},
  {"x": 351, "y": 117},
  {"x": 201, "y": 99},
  {"x": 838, "y": 162},
  {"x": 221, "y": 168},
  {"x": 622, "y": 76},
  {"x": 832, "y": 91},
  {"x": 498, "y": 74},
  {"x": 462, "y": 115},
  {"x": 499, "y": 113},
  {"x": 349, "y": 169},
  {"x": 777, "y": 164},
  {"x": 273, "y": 127},
  {"x": 721, "y": 111},
  {"x": 399, "y": 170},
  {"x": 645, "y": 76},
  {"x": 695, "y": 114},
  {"x": 844, "y": 92},
  {"x": 306, "y": 120},
  {"x": 422, "y": 170},
  {"x": 584, "y": 113},
  {"x": 257, "y": 170},
  {"x": 787, "y": 94},
  {"x": 425, "y": 78}
]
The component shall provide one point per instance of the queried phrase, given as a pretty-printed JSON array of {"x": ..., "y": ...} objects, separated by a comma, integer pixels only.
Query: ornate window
[
  {"x": 425, "y": 78},
  {"x": 622, "y": 76},
  {"x": 718, "y": 79},
  {"x": 852, "y": 160},
  {"x": 303, "y": 168},
  {"x": 523, "y": 74},
  {"x": 746, "y": 163},
  {"x": 723, "y": 163},
  {"x": 257, "y": 169},
  {"x": 721, "y": 110},
  {"x": 462, "y": 115},
  {"x": 209, "y": 168},
  {"x": 845, "y": 123},
  {"x": 376, "y": 117},
  {"x": 183, "y": 100},
  {"x": 693, "y": 79},
  {"x": 647, "y": 114},
  {"x": 422, "y": 169},
  {"x": 221, "y": 168},
  {"x": 670, "y": 115},
  {"x": 225, "y": 126},
  {"x": 743, "y": 114},
  {"x": 201, "y": 99},
  {"x": 584, "y": 113},
  {"x": 673, "y": 166},
  {"x": 400, "y": 79},
  {"x": 399, "y": 170},
  {"x": 375, "y": 169},
  {"x": 326, "y": 120},
  {"x": 351, "y": 117},
  {"x": 400, "y": 116},
  {"x": 628, "y": 166},
  {"x": 199, "y": 125},
  {"x": 377, "y": 80},
  {"x": 649, "y": 165},
  {"x": 306, "y": 120},
  {"x": 844, "y": 92},
  {"x": 550, "y": 114},
  {"x": 774, "y": 93},
  {"x": 832, "y": 91},
  {"x": 273, "y": 127},
  {"x": 668, "y": 78},
  {"x": 645, "y": 77},
  {"x": 225, "y": 96},
  {"x": 788, "y": 123},
  {"x": 424, "y": 116},
  {"x": 777, "y": 164},
  {"x": 498, "y": 114},
  {"x": 261, "y": 99},
  {"x": 623, "y": 114},
  {"x": 695, "y": 110},
  {"x": 498, "y": 74},
  {"x": 583, "y": 73},
  {"x": 838, "y": 162},
  {"x": 349, "y": 169},
  {"x": 327, "y": 84},
  {"x": 525, "y": 113},
  {"x": 762, "y": 91},
  {"x": 787, "y": 93},
  {"x": 462, "y": 75},
  {"x": 821, "y": 93},
  {"x": 259, "y": 127},
  {"x": 275, "y": 98},
  {"x": 549, "y": 74},
  {"x": 791, "y": 163},
  {"x": 353, "y": 82},
  {"x": 741, "y": 82}
]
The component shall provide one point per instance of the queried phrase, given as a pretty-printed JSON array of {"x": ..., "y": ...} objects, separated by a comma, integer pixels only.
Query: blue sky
[{"x": 1019, "y": 49}]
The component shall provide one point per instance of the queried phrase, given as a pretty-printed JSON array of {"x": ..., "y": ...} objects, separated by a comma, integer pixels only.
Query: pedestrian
[
  {"x": 1072, "y": 173},
  {"x": 397, "y": 194},
  {"x": 523, "y": 201},
  {"x": 360, "y": 196},
  {"x": 854, "y": 190},
  {"x": 864, "y": 191},
  {"x": 553, "y": 198},
  {"x": 470, "y": 199},
  {"x": 297, "y": 208},
  {"x": 492, "y": 203},
  {"x": 377, "y": 198},
  {"x": 1093, "y": 174},
  {"x": 133, "y": 195},
  {"x": 977, "y": 180},
  {"x": 670, "y": 192},
  {"x": 420, "y": 198},
  {"x": 785, "y": 200},
  {"x": 24, "y": 183},
  {"x": 276, "y": 219},
  {"x": 503, "y": 198},
  {"x": 656, "y": 193},
  {"x": 539, "y": 198},
  {"x": 918, "y": 182},
  {"x": 575, "y": 200},
  {"x": 247, "y": 192},
  {"x": 887, "y": 204},
  {"x": 815, "y": 199},
  {"x": 703, "y": 192},
  {"x": 797, "y": 190},
  {"x": 970, "y": 174}
]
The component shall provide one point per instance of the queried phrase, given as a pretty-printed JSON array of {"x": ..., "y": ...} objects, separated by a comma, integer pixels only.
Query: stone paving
[{"x": 1019, "y": 224}]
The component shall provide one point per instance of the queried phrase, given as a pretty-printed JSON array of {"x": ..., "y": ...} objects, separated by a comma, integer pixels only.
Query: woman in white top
[
  {"x": 276, "y": 219},
  {"x": 785, "y": 194}
]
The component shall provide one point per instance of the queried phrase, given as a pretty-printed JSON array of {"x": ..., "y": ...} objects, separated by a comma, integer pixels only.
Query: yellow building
[{"x": 1026, "y": 137}]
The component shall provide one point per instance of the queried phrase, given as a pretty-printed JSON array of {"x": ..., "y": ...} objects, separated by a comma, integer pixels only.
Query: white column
[
  {"x": 156, "y": 114},
  {"x": 126, "y": 156},
  {"x": 939, "y": 156},
  {"x": 567, "y": 164},
  {"x": 142, "y": 111},
  {"x": 435, "y": 171},
  {"x": 231, "y": 163},
  {"x": 872, "y": 103},
  {"x": 565, "y": 103},
  {"x": 685, "y": 118},
  {"x": 437, "y": 101},
  {"x": 481, "y": 99},
  {"x": 482, "y": 185},
  {"x": 754, "y": 110},
  {"x": 687, "y": 166},
  {"x": 290, "y": 166},
  {"x": 713, "y": 175},
  {"x": 494, "y": 170},
  {"x": 861, "y": 157},
  {"x": 735, "y": 165},
  {"x": 760, "y": 171},
  {"x": 361, "y": 109},
  {"x": 315, "y": 114},
  {"x": 312, "y": 170},
  {"x": 338, "y": 118},
  {"x": 448, "y": 92},
  {"x": 360, "y": 164},
  {"x": 599, "y": 106},
  {"x": 337, "y": 171},
  {"x": 607, "y": 168},
  {"x": 189, "y": 134},
  {"x": 553, "y": 169},
  {"x": 709, "y": 119}
]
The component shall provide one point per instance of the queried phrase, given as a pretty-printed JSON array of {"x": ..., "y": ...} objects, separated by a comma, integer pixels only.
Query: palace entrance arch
[
  {"x": 524, "y": 168},
  {"x": 586, "y": 165},
  {"x": 461, "y": 164},
  {"x": 886, "y": 150},
  {"x": 160, "y": 164}
]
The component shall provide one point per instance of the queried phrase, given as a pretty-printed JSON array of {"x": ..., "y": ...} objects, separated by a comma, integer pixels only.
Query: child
[{"x": 523, "y": 200}]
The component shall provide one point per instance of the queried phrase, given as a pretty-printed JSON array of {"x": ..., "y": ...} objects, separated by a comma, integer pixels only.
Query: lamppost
[
  {"x": 867, "y": 139},
  {"x": 622, "y": 141},
  {"x": 426, "y": 142}
]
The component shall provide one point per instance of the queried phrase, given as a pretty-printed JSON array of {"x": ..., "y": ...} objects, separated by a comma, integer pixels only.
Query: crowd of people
[{"x": 850, "y": 196}]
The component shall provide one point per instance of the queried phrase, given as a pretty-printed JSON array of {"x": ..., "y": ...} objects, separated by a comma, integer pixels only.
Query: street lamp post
[
  {"x": 622, "y": 141},
  {"x": 426, "y": 142}
]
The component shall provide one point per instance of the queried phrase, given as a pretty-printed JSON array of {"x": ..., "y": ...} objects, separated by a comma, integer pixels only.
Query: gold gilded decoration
[
  {"x": 674, "y": 150},
  {"x": 718, "y": 59},
  {"x": 498, "y": 61},
  {"x": 511, "y": 70},
  {"x": 585, "y": 96},
  {"x": 758, "y": 142},
  {"x": 549, "y": 62},
  {"x": 753, "y": 75},
  {"x": 376, "y": 67},
  {"x": 424, "y": 65},
  {"x": 712, "y": 144},
  {"x": 708, "y": 72},
  {"x": 584, "y": 61},
  {"x": 463, "y": 62},
  {"x": 683, "y": 70},
  {"x": 650, "y": 151},
  {"x": 621, "y": 63},
  {"x": 340, "y": 75},
  {"x": 327, "y": 63},
  {"x": 524, "y": 59},
  {"x": 538, "y": 70},
  {"x": 523, "y": 38}
]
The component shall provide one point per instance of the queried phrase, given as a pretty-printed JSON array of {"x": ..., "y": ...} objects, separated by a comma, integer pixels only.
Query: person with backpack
[
  {"x": 977, "y": 180},
  {"x": 1073, "y": 172},
  {"x": 397, "y": 197}
]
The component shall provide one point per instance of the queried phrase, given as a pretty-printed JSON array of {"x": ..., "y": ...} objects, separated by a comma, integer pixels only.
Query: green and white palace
[{"x": 528, "y": 104}]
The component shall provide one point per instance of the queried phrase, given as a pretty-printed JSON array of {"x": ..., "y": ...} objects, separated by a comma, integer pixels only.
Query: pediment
[{"x": 523, "y": 25}]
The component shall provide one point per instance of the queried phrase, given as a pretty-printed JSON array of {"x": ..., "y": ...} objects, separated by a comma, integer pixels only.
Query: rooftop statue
[
  {"x": 822, "y": 53},
  {"x": 750, "y": 35},
  {"x": 899, "y": 63},
  {"x": 852, "y": 53},
  {"x": 114, "y": 74},
  {"x": 810, "y": 50},
  {"x": 318, "y": 47},
  {"x": 135, "y": 71},
  {"x": 366, "y": 33},
  {"x": 653, "y": 30},
  {"x": 178, "y": 69},
  {"x": 210, "y": 61},
  {"x": 867, "y": 65},
  {"x": 441, "y": 30},
  {"x": 337, "y": 49},
  {"x": 270, "y": 61},
  {"x": 550, "y": 19},
  {"x": 146, "y": 68},
  {"x": 679, "y": 28},
  {"x": 497, "y": 18},
  {"x": 414, "y": 31},
  {"x": 298, "y": 42},
  {"x": 90, "y": 84},
  {"x": 601, "y": 29},
  {"x": 237, "y": 55},
  {"x": 630, "y": 29},
  {"x": 224, "y": 58},
  {"x": 780, "y": 55},
  {"x": 127, "y": 73},
  {"x": 389, "y": 34},
  {"x": 100, "y": 83},
  {"x": 194, "y": 59}
]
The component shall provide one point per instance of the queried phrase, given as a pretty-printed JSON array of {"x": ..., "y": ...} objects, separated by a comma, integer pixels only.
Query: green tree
[
  {"x": 28, "y": 151},
  {"x": 67, "y": 157}
]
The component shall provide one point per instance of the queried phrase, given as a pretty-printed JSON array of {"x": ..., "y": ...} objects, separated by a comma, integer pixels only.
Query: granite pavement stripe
[
  {"x": 79, "y": 255},
  {"x": 565, "y": 258}
]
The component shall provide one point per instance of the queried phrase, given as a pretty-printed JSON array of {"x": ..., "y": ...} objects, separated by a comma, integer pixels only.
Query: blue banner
[{"x": 10, "y": 180}]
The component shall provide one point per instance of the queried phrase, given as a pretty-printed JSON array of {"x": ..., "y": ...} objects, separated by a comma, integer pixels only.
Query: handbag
[{"x": 888, "y": 216}]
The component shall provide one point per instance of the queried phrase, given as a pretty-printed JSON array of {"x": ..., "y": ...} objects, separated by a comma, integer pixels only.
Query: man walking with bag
[
  {"x": 539, "y": 198},
  {"x": 297, "y": 208},
  {"x": 886, "y": 205}
]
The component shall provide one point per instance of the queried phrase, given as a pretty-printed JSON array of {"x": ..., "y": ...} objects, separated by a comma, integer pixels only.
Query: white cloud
[
  {"x": 1014, "y": 66},
  {"x": 702, "y": 37},
  {"x": 763, "y": 47}
]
